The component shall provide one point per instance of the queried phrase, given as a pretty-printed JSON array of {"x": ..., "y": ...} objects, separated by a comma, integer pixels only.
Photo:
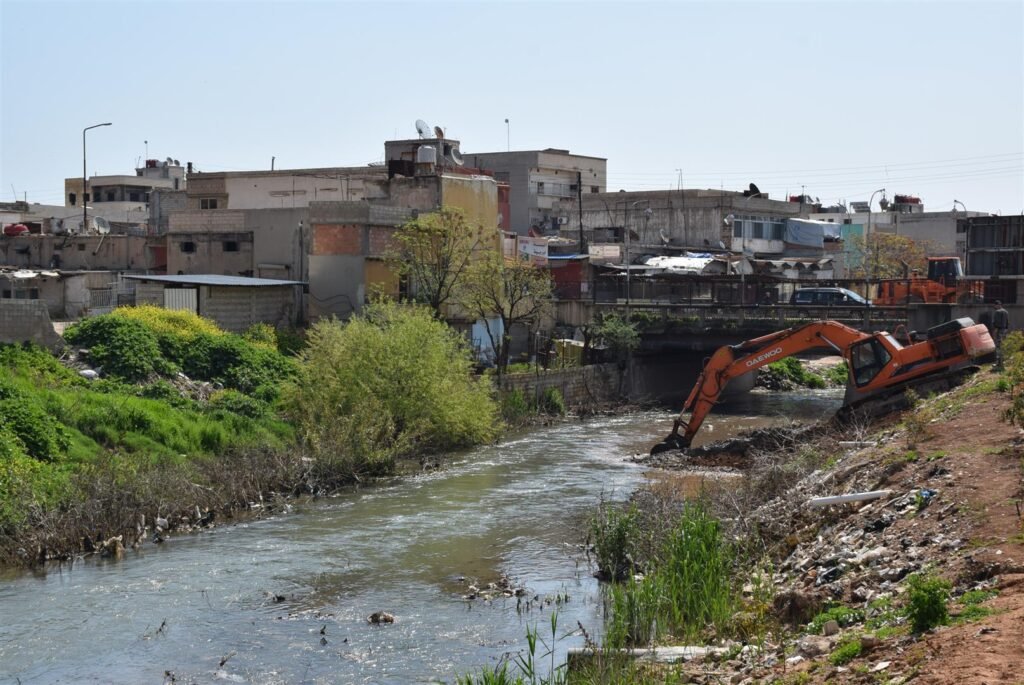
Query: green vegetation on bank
[
  {"x": 186, "y": 415},
  {"x": 393, "y": 382}
]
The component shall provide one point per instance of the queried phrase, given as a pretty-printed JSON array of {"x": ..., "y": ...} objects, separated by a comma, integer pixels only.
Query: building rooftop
[{"x": 213, "y": 279}]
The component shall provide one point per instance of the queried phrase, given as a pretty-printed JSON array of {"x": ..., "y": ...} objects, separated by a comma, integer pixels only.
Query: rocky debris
[
  {"x": 378, "y": 617},
  {"x": 112, "y": 547},
  {"x": 505, "y": 587}
]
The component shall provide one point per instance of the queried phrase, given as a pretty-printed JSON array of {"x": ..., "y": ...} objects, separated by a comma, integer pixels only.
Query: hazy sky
[{"x": 842, "y": 97}]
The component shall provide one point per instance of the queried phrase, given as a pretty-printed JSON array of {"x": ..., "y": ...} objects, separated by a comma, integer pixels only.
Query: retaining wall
[
  {"x": 582, "y": 387},
  {"x": 27, "y": 321}
]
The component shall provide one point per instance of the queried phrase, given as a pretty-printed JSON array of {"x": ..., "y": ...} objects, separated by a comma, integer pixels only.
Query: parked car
[{"x": 828, "y": 297}]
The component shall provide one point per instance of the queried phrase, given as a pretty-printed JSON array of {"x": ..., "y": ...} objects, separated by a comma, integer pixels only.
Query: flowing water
[{"x": 286, "y": 599}]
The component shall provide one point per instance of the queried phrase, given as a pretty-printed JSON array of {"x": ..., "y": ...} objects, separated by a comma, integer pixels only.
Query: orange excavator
[{"x": 879, "y": 365}]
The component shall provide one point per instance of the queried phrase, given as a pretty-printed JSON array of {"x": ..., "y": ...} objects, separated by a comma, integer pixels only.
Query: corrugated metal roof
[{"x": 213, "y": 279}]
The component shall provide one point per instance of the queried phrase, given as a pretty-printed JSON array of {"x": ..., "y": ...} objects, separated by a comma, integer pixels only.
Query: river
[{"x": 285, "y": 599}]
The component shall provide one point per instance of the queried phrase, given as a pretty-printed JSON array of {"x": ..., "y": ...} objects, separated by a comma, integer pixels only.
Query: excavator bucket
[{"x": 674, "y": 441}]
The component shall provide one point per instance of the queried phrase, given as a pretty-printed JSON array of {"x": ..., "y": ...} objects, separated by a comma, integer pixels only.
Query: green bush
[
  {"x": 926, "y": 601},
  {"x": 843, "y": 615},
  {"x": 846, "y": 651},
  {"x": 41, "y": 435},
  {"x": 234, "y": 362},
  {"x": 234, "y": 401},
  {"x": 122, "y": 347},
  {"x": 791, "y": 371},
  {"x": 410, "y": 374},
  {"x": 514, "y": 406},
  {"x": 613, "y": 534},
  {"x": 552, "y": 402}
]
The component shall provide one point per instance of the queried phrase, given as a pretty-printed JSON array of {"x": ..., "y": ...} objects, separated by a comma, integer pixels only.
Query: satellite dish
[
  {"x": 456, "y": 156},
  {"x": 439, "y": 132},
  {"x": 452, "y": 154},
  {"x": 754, "y": 191},
  {"x": 729, "y": 218},
  {"x": 177, "y": 163},
  {"x": 422, "y": 128}
]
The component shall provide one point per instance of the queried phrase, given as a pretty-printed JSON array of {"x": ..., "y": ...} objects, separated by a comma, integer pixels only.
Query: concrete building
[
  {"x": 284, "y": 188},
  {"x": 124, "y": 197},
  {"x": 66, "y": 294},
  {"x": 938, "y": 229},
  {"x": 539, "y": 180},
  {"x": 234, "y": 303},
  {"x": 330, "y": 227},
  {"x": 690, "y": 219},
  {"x": 75, "y": 252}
]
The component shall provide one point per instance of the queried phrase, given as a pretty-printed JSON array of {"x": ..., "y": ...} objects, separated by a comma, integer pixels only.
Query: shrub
[
  {"x": 552, "y": 402},
  {"x": 843, "y": 615},
  {"x": 790, "y": 371},
  {"x": 846, "y": 651},
  {"x": 124, "y": 347},
  {"x": 261, "y": 335},
  {"x": 614, "y": 533},
  {"x": 234, "y": 362},
  {"x": 41, "y": 435},
  {"x": 926, "y": 601},
  {"x": 409, "y": 373},
  {"x": 236, "y": 402},
  {"x": 514, "y": 405},
  {"x": 620, "y": 336}
]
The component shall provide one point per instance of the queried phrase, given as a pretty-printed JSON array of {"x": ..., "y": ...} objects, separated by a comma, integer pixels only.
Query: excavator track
[{"x": 894, "y": 399}]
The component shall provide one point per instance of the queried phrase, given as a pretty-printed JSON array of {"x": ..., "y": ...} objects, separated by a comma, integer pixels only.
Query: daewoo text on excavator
[{"x": 879, "y": 365}]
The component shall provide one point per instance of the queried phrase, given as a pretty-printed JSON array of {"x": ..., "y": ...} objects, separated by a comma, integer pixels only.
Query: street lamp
[
  {"x": 85, "y": 204},
  {"x": 867, "y": 234},
  {"x": 962, "y": 206},
  {"x": 647, "y": 215}
]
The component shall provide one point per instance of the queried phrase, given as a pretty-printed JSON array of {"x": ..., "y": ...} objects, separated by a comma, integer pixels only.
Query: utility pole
[{"x": 579, "y": 203}]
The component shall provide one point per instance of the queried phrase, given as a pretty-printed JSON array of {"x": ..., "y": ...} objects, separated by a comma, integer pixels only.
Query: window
[
  {"x": 86, "y": 200},
  {"x": 208, "y": 203},
  {"x": 72, "y": 199},
  {"x": 758, "y": 230},
  {"x": 188, "y": 247},
  {"x": 81, "y": 247},
  {"x": 737, "y": 228},
  {"x": 867, "y": 359},
  {"x": 778, "y": 231},
  {"x": 110, "y": 196},
  {"x": 134, "y": 197},
  {"x": 595, "y": 189},
  {"x": 230, "y": 246},
  {"x": 540, "y": 187}
]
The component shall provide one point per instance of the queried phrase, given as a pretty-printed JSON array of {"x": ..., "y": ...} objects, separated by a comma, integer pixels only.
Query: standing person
[{"x": 1000, "y": 323}]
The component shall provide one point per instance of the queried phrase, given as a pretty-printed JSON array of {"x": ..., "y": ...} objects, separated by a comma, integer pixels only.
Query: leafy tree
[
  {"x": 514, "y": 291},
  {"x": 434, "y": 252},
  {"x": 619, "y": 335},
  {"x": 392, "y": 382},
  {"x": 886, "y": 255}
]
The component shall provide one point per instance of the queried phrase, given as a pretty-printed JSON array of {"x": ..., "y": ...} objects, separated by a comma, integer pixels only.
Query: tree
[
  {"x": 392, "y": 382},
  {"x": 515, "y": 292},
  {"x": 433, "y": 252},
  {"x": 886, "y": 255}
]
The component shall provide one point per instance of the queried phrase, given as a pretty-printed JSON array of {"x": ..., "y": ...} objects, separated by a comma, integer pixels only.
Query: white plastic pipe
[{"x": 852, "y": 497}]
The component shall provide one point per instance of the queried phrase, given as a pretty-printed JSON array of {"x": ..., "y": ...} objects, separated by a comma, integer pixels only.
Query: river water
[{"x": 286, "y": 599}]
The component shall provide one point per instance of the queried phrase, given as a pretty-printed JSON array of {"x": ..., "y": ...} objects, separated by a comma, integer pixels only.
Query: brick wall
[
  {"x": 582, "y": 387},
  {"x": 382, "y": 241},
  {"x": 27, "y": 321},
  {"x": 346, "y": 239}
]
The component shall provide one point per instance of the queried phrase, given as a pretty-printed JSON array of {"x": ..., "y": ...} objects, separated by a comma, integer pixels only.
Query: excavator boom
[{"x": 877, "y": 362}]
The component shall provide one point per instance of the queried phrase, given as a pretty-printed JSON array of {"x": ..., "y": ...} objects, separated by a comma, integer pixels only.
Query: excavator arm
[{"x": 732, "y": 361}]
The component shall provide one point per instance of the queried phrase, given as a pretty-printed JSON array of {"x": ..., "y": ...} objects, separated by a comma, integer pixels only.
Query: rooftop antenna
[{"x": 422, "y": 128}]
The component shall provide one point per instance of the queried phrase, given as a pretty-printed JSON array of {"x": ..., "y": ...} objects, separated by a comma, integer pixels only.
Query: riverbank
[
  {"x": 154, "y": 423},
  {"x": 924, "y": 583}
]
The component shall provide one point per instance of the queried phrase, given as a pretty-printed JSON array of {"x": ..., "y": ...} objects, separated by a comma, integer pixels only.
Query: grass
[
  {"x": 846, "y": 651},
  {"x": 841, "y": 614},
  {"x": 688, "y": 590}
]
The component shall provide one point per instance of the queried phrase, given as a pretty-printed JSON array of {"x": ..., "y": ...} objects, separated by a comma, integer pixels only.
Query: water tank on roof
[
  {"x": 426, "y": 154},
  {"x": 15, "y": 229}
]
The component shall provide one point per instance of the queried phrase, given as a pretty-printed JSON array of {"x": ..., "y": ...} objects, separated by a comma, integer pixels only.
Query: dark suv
[{"x": 828, "y": 297}]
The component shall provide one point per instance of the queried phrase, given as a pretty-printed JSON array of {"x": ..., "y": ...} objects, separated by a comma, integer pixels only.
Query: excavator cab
[
  {"x": 945, "y": 270},
  {"x": 867, "y": 358}
]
